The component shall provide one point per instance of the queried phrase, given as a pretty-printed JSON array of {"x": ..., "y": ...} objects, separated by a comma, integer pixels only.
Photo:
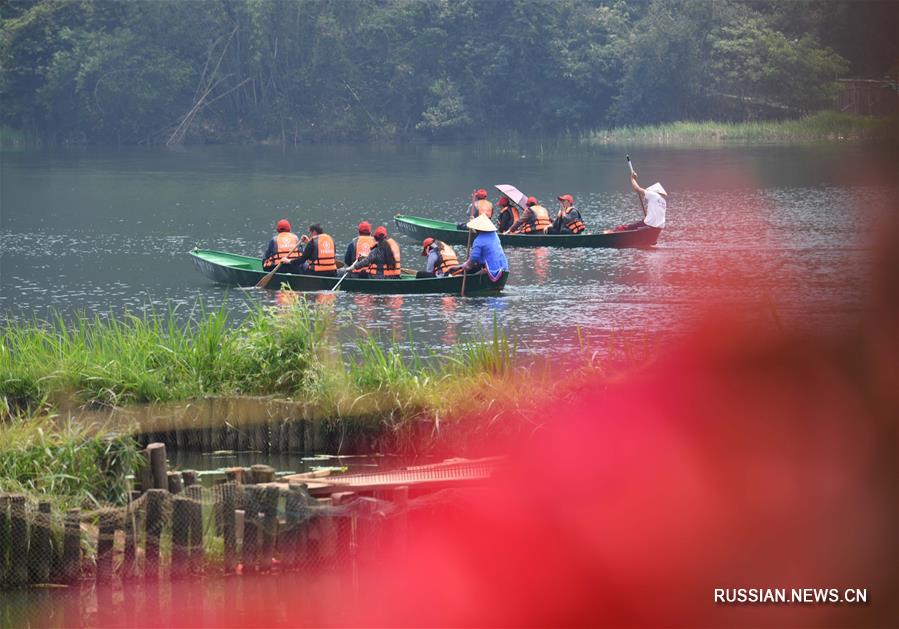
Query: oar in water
[
  {"x": 467, "y": 252},
  {"x": 268, "y": 278},
  {"x": 631, "y": 166}
]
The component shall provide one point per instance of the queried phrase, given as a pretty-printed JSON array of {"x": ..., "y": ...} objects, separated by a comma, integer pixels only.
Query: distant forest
[{"x": 164, "y": 71}]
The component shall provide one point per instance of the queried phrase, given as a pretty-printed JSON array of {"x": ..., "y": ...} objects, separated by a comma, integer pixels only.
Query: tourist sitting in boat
[
  {"x": 284, "y": 246},
  {"x": 359, "y": 247},
  {"x": 508, "y": 213},
  {"x": 384, "y": 258},
  {"x": 441, "y": 257},
  {"x": 480, "y": 206},
  {"x": 486, "y": 250},
  {"x": 318, "y": 256},
  {"x": 534, "y": 219},
  {"x": 569, "y": 219},
  {"x": 653, "y": 204}
]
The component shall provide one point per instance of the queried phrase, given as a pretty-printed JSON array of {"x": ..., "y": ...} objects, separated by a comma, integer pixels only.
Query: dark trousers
[{"x": 287, "y": 267}]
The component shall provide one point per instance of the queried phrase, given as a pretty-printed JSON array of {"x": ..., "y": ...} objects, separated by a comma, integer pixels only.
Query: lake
[{"x": 776, "y": 233}]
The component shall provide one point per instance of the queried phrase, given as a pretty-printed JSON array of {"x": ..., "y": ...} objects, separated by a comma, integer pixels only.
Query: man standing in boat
[
  {"x": 569, "y": 220},
  {"x": 319, "y": 255},
  {"x": 384, "y": 258},
  {"x": 654, "y": 207},
  {"x": 359, "y": 247},
  {"x": 480, "y": 206},
  {"x": 284, "y": 245},
  {"x": 486, "y": 250}
]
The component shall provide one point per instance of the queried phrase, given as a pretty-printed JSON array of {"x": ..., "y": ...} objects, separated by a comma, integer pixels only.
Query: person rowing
[
  {"x": 534, "y": 219},
  {"x": 318, "y": 256},
  {"x": 653, "y": 203},
  {"x": 568, "y": 220},
  {"x": 441, "y": 258},
  {"x": 480, "y": 206},
  {"x": 284, "y": 248},
  {"x": 359, "y": 247},
  {"x": 384, "y": 258},
  {"x": 486, "y": 250},
  {"x": 508, "y": 213}
]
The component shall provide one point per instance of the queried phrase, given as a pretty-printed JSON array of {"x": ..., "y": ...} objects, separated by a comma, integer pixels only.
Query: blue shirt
[{"x": 487, "y": 250}]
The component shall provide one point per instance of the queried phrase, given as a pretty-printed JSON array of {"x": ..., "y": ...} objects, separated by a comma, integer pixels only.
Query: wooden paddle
[
  {"x": 352, "y": 266},
  {"x": 639, "y": 196},
  {"x": 268, "y": 278}
]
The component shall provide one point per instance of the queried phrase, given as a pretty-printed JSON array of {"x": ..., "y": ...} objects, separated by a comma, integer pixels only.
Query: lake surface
[{"x": 101, "y": 230}]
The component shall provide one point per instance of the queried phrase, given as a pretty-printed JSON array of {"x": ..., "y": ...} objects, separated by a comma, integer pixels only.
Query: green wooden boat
[
  {"x": 237, "y": 270},
  {"x": 421, "y": 228}
]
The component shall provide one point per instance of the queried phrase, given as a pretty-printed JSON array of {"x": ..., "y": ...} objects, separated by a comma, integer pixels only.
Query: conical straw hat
[{"x": 481, "y": 224}]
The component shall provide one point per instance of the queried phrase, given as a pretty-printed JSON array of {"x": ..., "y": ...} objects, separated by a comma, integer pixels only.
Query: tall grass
[
  {"x": 157, "y": 358},
  {"x": 825, "y": 126},
  {"x": 72, "y": 464}
]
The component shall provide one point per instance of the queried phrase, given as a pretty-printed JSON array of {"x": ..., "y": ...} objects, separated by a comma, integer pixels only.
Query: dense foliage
[{"x": 307, "y": 70}]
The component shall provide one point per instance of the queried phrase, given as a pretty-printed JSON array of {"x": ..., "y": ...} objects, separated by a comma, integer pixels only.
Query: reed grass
[
  {"x": 825, "y": 126},
  {"x": 73, "y": 465},
  {"x": 289, "y": 352}
]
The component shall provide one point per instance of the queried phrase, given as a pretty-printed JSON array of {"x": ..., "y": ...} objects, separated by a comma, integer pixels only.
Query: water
[{"x": 101, "y": 230}]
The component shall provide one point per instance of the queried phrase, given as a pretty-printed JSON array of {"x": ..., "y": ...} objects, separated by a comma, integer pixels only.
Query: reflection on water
[{"x": 101, "y": 230}]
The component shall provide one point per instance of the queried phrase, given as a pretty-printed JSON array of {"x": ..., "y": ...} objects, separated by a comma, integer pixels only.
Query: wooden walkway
[{"x": 451, "y": 473}]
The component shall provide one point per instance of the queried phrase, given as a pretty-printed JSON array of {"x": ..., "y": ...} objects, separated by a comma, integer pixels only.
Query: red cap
[
  {"x": 381, "y": 232},
  {"x": 567, "y": 197},
  {"x": 365, "y": 228},
  {"x": 503, "y": 201},
  {"x": 532, "y": 200},
  {"x": 481, "y": 194},
  {"x": 283, "y": 225},
  {"x": 425, "y": 244}
]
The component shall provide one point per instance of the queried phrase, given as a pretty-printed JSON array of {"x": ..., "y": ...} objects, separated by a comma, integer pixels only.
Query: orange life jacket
[
  {"x": 482, "y": 206},
  {"x": 538, "y": 221},
  {"x": 446, "y": 258},
  {"x": 574, "y": 224},
  {"x": 391, "y": 269},
  {"x": 287, "y": 249},
  {"x": 514, "y": 210},
  {"x": 364, "y": 245},
  {"x": 324, "y": 254}
]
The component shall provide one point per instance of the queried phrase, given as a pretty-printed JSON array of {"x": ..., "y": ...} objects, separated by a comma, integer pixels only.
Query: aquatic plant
[{"x": 819, "y": 127}]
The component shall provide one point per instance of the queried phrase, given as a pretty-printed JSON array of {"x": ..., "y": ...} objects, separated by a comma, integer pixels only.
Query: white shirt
[{"x": 655, "y": 209}]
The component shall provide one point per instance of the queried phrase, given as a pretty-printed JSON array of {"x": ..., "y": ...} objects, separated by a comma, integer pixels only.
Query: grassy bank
[
  {"x": 826, "y": 126},
  {"x": 287, "y": 352}
]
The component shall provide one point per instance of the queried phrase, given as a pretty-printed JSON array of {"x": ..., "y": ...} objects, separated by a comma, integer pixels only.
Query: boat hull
[
  {"x": 236, "y": 270},
  {"x": 421, "y": 228}
]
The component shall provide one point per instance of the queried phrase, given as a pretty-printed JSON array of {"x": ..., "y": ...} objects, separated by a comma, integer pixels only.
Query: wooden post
[
  {"x": 175, "y": 483},
  {"x": 105, "y": 542},
  {"x": 180, "y": 535},
  {"x": 295, "y": 436},
  {"x": 195, "y": 524},
  {"x": 129, "y": 526},
  {"x": 158, "y": 465},
  {"x": 144, "y": 472},
  {"x": 234, "y": 475},
  {"x": 153, "y": 521},
  {"x": 296, "y": 514},
  {"x": 269, "y": 510},
  {"x": 190, "y": 477},
  {"x": 18, "y": 543},
  {"x": 262, "y": 474},
  {"x": 252, "y": 503},
  {"x": 4, "y": 536},
  {"x": 40, "y": 552},
  {"x": 71, "y": 546},
  {"x": 229, "y": 506}
]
